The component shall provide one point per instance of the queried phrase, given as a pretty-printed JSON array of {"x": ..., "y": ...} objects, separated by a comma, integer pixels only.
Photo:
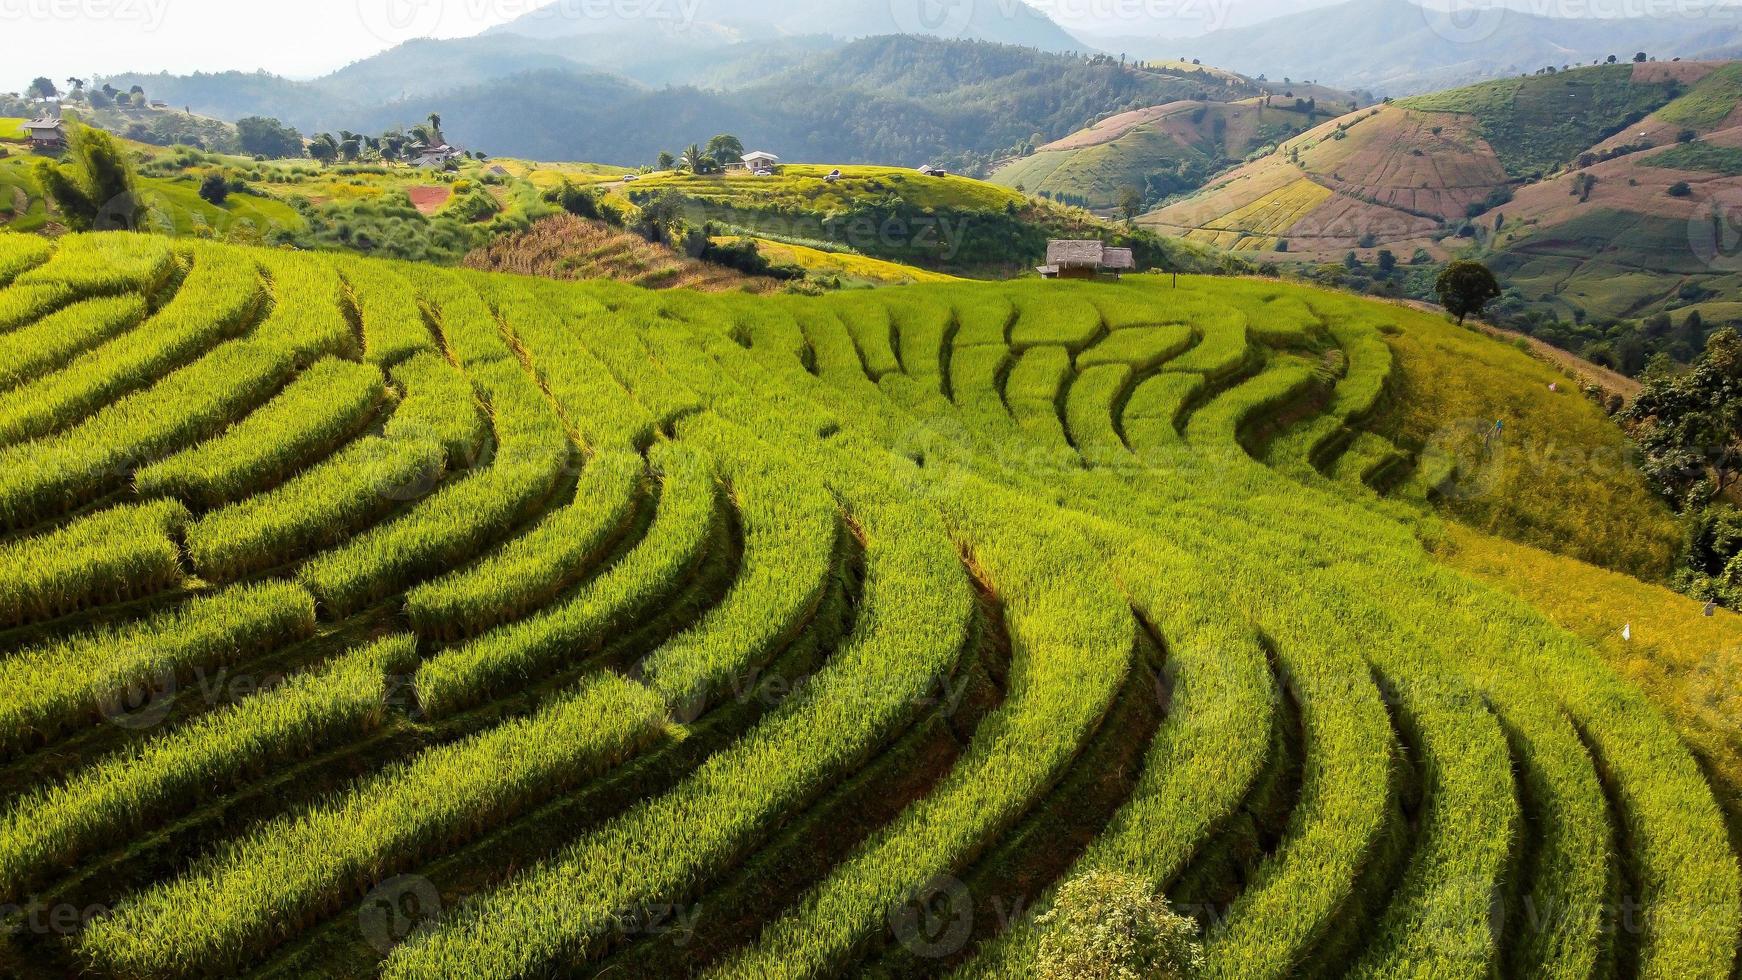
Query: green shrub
[{"x": 1110, "y": 926}]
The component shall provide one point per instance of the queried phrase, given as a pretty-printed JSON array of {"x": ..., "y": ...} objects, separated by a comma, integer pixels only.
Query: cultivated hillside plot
[
  {"x": 1134, "y": 150},
  {"x": 1411, "y": 174},
  {"x": 1382, "y": 176},
  {"x": 365, "y": 619}
]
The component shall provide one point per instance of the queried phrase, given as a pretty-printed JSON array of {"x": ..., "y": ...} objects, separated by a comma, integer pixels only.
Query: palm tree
[
  {"x": 694, "y": 160},
  {"x": 435, "y": 128},
  {"x": 350, "y": 144},
  {"x": 393, "y": 143},
  {"x": 323, "y": 148}
]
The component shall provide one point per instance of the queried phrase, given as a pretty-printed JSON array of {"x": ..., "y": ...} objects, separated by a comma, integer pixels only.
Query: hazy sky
[
  {"x": 301, "y": 38},
  {"x": 304, "y": 38}
]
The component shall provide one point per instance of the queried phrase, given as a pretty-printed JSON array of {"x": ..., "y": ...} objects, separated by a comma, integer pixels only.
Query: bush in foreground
[{"x": 1106, "y": 925}]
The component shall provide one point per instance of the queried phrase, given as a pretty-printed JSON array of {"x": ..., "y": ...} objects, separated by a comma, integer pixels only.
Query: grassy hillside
[
  {"x": 1401, "y": 47},
  {"x": 1536, "y": 125},
  {"x": 951, "y": 224},
  {"x": 172, "y": 205},
  {"x": 800, "y": 187},
  {"x": 790, "y": 612},
  {"x": 1407, "y": 174},
  {"x": 846, "y": 267},
  {"x": 1688, "y": 661},
  {"x": 1157, "y": 152},
  {"x": 568, "y": 247},
  {"x": 876, "y": 213},
  {"x": 1560, "y": 474},
  {"x": 1387, "y": 176},
  {"x": 1589, "y": 191}
]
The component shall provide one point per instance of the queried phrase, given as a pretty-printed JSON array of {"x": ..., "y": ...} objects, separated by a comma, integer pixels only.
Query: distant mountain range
[
  {"x": 885, "y": 99},
  {"x": 721, "y": 22},
  {"x": 861, "y": 80},
  {"x": 1394, "y": 47}
]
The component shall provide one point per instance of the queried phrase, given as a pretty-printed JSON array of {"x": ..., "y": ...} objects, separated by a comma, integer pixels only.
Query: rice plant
[
  {"x": 528, "y": 571},
  {"x": 683, "y": 523},
  {"x": 218, "y": 299},
  {"x": 114, "y": 555},
  {"x": 308, "y": 419},
  {"x": 243, "y": 899},
  {"x": 58, "y": 685},
  {"x": 20, "y": 253},
  {"x": 124, "y": 792},
  {"x": 1027, "y": 497},
  {"x": 57, "y": 338}
]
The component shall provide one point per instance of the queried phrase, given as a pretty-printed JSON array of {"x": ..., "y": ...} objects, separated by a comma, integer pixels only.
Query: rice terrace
[
  {"x": 1008, "y": 512},
  {"x": 586, "y": 602}
]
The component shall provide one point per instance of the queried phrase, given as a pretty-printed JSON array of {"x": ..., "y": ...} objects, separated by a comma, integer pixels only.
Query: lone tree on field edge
[{"x": 1466, "y": 287}]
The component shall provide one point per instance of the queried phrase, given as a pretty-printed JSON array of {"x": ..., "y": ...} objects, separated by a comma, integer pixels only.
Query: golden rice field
[
  {"x": 848, "y": 266},
  {"x": 1258, "y": 224},
  {"x": 370, "y": 619}
]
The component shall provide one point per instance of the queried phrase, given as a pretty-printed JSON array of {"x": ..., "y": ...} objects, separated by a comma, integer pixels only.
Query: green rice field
[{"x": 373, "y": 619}]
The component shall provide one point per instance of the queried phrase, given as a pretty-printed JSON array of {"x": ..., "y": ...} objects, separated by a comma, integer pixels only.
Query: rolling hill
[
  {"x": 950, "y": 223},
  {"x": 1159, "y": 151},
  {"x": 892, "y": 99},
  {"x": 375, "y": 619},
  {"x": 871, "y": 225},
  {"x": 1586, "y": 189}
]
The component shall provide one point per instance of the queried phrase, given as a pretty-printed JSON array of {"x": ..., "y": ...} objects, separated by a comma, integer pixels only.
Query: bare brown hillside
[{"x": 568, "y": 247}]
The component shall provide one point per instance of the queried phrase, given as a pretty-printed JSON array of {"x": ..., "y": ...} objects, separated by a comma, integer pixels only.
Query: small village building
[
  {"x": 435, "y": 157},
  {"x": 1068, "y": 259},
  {"x": 931, "y": 171},
  {"x": 47, "y": 134},
  {"x": 757, "y": 162}
]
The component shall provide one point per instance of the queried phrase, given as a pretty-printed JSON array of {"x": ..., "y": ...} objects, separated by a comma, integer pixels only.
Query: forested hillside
[{"x": 904, "y": 99}]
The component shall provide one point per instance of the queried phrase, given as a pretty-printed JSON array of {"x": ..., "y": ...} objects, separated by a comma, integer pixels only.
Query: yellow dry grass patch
[
  {"x": 1685, "y": 661},
  {"x": 849, "y": 266},
  {"x": 1270, "y": 215}
]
